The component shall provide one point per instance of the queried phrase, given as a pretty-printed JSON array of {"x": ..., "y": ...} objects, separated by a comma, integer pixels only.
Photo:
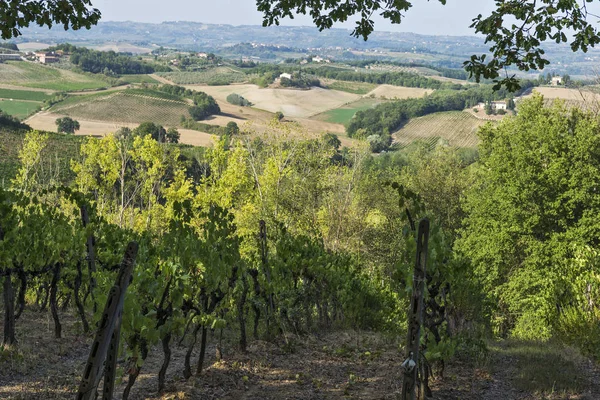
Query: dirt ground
[{"x": 326, "y": 365}]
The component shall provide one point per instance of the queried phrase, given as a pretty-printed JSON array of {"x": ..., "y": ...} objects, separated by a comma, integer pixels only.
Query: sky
[{"x": 425, "y": 17}]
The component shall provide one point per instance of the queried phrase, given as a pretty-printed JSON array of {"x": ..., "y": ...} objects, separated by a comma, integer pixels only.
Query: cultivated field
[
  {"x": 31, "y": 95},
  {"x": 292, "y": 103},
  {"x": 344, "y": 114},
  {"x": 120, "y": 107},
  {"x": 457, "y": 127},
  {"x": 18, "y": 108},
  {"x": 28, "y": 74},
  {"x": 398, "y": 92},
  {"x": 350, "y": 87},
  {"x": 220, "y": 75},
  {"x": 139, "y": 78},
  {"x": 47, "y": 121},
  {"x": 567, "y": 94},
  {"x": 33, "y": 46}
]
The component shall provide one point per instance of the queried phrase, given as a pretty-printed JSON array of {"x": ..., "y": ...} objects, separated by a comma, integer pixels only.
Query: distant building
[
  {"x": 47, "y": 58},
  {"x": 285, "y": 75},
  {"x": 496, "y": 105},
  {"x": 499, "y": 105},
  {"x": 556, "y": 80},
  {"x": 317, "y": 59},
  {"x": 202, "y": 55},
  {"x": 5, "y": 57}
]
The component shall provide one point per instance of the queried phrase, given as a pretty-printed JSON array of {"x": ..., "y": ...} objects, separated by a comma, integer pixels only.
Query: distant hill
[{"x": 449, "y": 51}]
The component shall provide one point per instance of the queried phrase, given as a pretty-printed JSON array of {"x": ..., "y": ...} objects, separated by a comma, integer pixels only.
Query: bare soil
[{"x": 328, "y": 365}]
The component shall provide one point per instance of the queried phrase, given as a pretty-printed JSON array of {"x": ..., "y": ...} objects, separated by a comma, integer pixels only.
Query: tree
[
  {"x": 71, "y": 14},
  {"x": 232, "y": 128},
  {"x": 332, "y": 140},
  {"x": 510, "y": 104},
  {"x": 531, "y": 216},
  {"x": 515, "y": 29},
  {"x": 279, "y": 115},
  {"x": 67, "y": 125},
  {"x": 172, "y": 135}
]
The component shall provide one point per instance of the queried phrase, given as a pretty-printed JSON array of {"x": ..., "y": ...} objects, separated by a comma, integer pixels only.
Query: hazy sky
[{"x": 426, "y": 17}]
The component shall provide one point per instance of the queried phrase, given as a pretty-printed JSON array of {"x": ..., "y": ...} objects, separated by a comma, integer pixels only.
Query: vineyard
[
  {"x": 457, "y": 128},
  {"x": 269, "y": 266},
  {"x": 126, "y": 107},
  {"x": 212, "y": 76}
]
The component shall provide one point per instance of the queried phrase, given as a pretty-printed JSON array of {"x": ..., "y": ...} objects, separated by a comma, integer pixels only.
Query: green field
[
  {"x": 126, "y": 106},
  {"x": 344, "y": 114},
  {"x": 141, "y": 78},
  {"x": 212, "y": 76},
  {"x": 352, "y": 87},
  {"x": 27, "y": 74},
  {"x": 19, "y": 109},
  {"x": 23, "y": 95},
  {"x": 458, "y": 128}
]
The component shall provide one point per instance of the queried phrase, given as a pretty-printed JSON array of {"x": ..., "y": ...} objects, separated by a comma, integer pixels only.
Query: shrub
[{"x": 238, "y": 100}]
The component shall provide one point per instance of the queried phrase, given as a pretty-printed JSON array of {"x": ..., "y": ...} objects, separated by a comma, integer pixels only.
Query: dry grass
[
  {"x": 292, "y": 103},
  {"x": 47, "y": 122}
]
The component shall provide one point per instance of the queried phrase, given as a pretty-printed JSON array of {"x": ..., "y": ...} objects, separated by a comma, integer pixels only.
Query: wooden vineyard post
[
  {"x": 265, "y": 261},
  {"x": 91, "y": 257},
  {"x": 415, "y": 315},
  {"x": 106, "y": 343}
]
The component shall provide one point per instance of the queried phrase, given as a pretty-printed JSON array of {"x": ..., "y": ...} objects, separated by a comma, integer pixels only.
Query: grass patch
[
  {"x": 19, "y": 109},
  {"x": 547, "y": 369},
  {"x": 344, "y": 114},
  {"x": 352, "y": 87},
  {"x": 27, "y": 74},
  {"x": 140, "y": 78},
  {"x": 24, "y": 95}
]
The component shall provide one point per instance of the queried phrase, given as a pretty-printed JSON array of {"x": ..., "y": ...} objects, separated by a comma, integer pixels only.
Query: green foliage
[
  {"x": 24, "y": 95},
  {"x": 238, "y": 100},
  {"x": 204, "y": 106},
  {"x": 67, "y": 125},
  {"x": 531, "y": 213},
  {"x": 391, "y": 116},
  {"x": 232, "y": 128},
  {"x": 75, "y": 14},
  {"x": 302, "y": 81},
  {"x": 106, "y": 62},
  {"x": 156, "y": 132},
  {"x": 515, "y": 33}
]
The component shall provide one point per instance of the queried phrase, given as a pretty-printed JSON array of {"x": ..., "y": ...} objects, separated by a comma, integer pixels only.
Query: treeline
[
  {"x": 268, "y": 72},
  {"x": 12, "y": 123},
  {"x": 446, "y": 72},
  {"x": 204, "y": 104},
  {"x": 388, "y": 117},
  {"x": 301, "y": 81},
  {"x": 107, "y": 62}
]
